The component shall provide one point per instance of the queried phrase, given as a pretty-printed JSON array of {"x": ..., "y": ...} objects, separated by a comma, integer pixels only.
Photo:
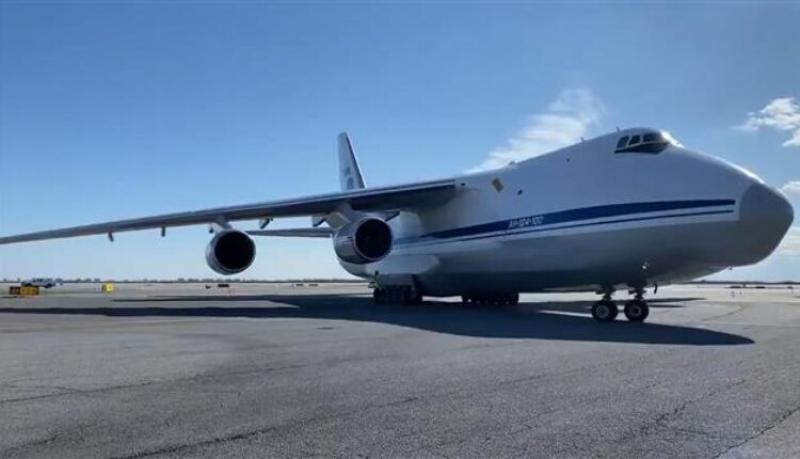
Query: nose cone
[{"x": 764, "y": 217}]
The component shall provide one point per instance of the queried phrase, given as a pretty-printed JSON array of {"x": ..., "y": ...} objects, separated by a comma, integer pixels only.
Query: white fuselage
[{"x": 585, "y": 218}]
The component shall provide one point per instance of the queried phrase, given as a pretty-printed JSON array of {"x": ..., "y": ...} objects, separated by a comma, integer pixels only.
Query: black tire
[
  {"x": 636, "y": 310},
  {"x": 410, "y": 295},
  {"x": 396, "y": 295},
  {"x": 604, "y": 311},
  {"x": 390, "y": 295}
]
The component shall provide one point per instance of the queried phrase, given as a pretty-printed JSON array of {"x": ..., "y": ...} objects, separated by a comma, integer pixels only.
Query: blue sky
[{"x": 116, "y": 110}]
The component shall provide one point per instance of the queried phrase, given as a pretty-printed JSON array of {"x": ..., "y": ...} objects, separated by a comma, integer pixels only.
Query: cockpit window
[{"x": 649, "y": 142}]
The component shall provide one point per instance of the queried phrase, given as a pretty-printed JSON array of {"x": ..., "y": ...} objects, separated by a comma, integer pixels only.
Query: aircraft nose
[{"x": 764, "y": 217}]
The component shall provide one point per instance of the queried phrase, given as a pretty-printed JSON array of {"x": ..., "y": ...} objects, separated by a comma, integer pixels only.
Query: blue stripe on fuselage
[{"x": 534, "y": 223}]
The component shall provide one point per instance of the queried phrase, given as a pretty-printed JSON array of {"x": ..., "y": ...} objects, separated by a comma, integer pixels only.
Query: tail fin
[{"x": 349, "y": 173}]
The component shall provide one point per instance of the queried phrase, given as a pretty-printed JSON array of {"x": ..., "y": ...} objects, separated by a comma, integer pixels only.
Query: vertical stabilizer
[{"x": 349, "y": 173}]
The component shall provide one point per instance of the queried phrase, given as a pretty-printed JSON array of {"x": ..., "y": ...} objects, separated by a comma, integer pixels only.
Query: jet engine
[
  {"x": 230, "y": 252},
  {"x": 363, "y": 241}
]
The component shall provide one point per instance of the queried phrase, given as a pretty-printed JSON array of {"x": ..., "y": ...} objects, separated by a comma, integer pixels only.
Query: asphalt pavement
[{"x": 266, "y": 370}]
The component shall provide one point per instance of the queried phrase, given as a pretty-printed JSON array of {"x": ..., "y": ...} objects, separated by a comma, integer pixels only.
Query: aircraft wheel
[
  {"x": 412, "y": 296},
  {"x": 404, "y": 295},
  {"x": 636, "y": 310},
  {"x": 397, "y": 295},
  {"x": 604, "y": 311},
  {"x": 386, "y": 295},
  {"x": 378, "y": 295}
]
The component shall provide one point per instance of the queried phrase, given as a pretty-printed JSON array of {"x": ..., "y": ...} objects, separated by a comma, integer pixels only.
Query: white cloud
[
  {"x": 565, "y": 121},
  {"x": 792, "y": 188},
  {"x": 782, "y": 114},
  {"x": 790, "y": 245}
]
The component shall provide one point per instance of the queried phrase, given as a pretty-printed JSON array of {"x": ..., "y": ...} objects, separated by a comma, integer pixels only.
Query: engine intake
[
  {"x": 364, "y": 241},
  {"x": 230, "y": 252}
]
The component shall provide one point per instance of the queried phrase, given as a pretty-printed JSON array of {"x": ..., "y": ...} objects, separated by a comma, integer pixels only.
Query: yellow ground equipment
[
  {"x": 18, "y": 290},
  {"x": 107, "y": 288}
]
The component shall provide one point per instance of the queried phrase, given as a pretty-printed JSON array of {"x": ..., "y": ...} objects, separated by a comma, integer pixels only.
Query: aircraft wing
[{"x": 401, "y": 197}]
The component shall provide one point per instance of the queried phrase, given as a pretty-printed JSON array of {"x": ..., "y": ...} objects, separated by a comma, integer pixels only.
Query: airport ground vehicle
[{"x": 39, "y": 282}]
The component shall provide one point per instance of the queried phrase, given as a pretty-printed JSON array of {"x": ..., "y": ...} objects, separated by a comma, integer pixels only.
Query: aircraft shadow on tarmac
[{"x": 541, "y": 320}]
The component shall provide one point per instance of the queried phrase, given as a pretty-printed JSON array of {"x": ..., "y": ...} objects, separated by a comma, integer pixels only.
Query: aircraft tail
[
  {"x": 349, "y": 173},
  {"x": 350, "y": 177}
]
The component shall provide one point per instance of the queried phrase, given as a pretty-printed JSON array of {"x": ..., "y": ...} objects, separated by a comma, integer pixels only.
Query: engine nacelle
[
  {"x": 363, "y": 241},
  {"x": 230, "y": 252}
]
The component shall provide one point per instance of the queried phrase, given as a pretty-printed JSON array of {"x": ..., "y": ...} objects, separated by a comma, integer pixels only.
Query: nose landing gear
[
  {"x": 605, "y": 310},
  {"x": 636, "y": 310}
]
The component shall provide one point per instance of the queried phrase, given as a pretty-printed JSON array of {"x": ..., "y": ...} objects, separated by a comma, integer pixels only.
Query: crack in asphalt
[
  {"x": 775, "y": 423},
  {"x": 199, "y": 377},
  {"x": 660, "y": 422},
  {"x": 101, "y": 326},
  {"x": 183, "y": 446},
  {"x": 739, "y": 307},
  {"x": 30, "y": 444}
]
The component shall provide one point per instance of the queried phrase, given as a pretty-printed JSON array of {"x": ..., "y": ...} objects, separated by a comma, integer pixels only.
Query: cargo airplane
[{"x": 626, "y": 211}]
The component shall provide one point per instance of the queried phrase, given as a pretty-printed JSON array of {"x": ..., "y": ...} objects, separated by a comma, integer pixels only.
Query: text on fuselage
[{"x": 525, "y": 222}]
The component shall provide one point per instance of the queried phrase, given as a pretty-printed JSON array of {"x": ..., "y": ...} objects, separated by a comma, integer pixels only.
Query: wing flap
[{"x": 294, "y": 232}]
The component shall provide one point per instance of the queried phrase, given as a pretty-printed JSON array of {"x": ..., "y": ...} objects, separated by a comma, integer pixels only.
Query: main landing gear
[
  {"x": 396, "y": 294},
  {"x": 636, "y": 310}
]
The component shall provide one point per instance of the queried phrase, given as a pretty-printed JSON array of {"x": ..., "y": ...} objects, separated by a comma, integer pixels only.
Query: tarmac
[{"x": 278, "y": 370}]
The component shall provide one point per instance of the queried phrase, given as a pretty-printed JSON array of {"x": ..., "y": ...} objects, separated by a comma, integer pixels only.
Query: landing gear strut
[
  {"x": 396, "y": 294},
  {"x": 636, "y": 310},
  {"x": 605, "y": 310}
]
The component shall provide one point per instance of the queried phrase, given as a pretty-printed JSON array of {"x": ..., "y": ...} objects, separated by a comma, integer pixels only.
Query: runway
[{"x": 277, "y": 370}]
